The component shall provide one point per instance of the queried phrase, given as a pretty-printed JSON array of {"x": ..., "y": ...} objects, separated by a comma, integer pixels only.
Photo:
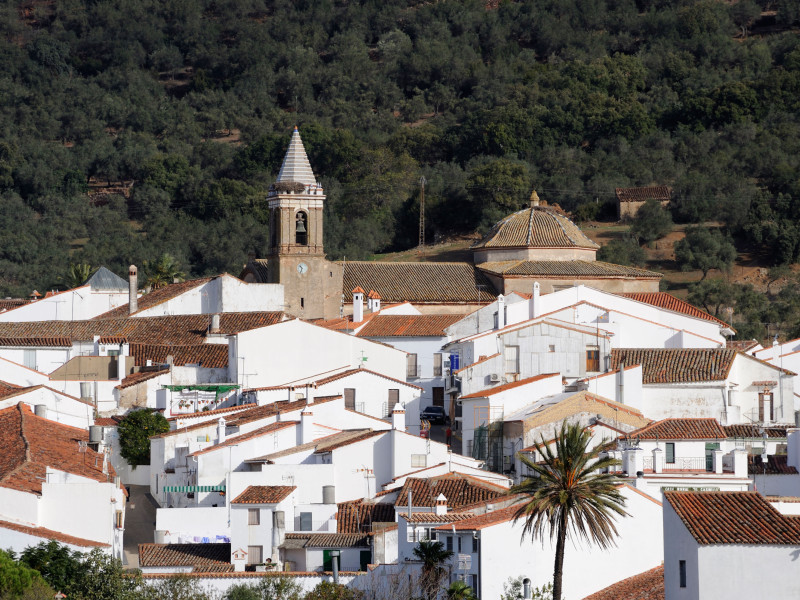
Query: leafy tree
[
  {"x": 705, "y": 249},
  {"x": 327, "y": 590},
  {"x": 623, "y": 252},
  {"x": 177, "y": 587},
  {"x": 135, "y": 431},
  {"x": 433, "y": 555},
  {"x": 162, "y": 272},
  {"x": 267, "y": 588},
  {"x": 570, "y": 493},
  {"x": 652, "y": 221},
  {"x": 513, "y": 590},
  {"x": 460, "y": 590},
  {"x": 18, "y": 581}
]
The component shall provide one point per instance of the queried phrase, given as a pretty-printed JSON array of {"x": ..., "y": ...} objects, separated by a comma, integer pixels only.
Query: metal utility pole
[{"x": 422, "y": 182}]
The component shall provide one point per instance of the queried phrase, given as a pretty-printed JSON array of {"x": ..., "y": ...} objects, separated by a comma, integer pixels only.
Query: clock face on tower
[{"x": 302, "y": 268}]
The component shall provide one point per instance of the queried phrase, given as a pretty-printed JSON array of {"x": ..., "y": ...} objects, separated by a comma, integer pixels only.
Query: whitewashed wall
[
  {"x": 72, "y": 305},
  {"x": 60, "y": 408}
]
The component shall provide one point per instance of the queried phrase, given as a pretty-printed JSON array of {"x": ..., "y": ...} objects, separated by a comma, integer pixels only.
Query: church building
[{"x": 539, "y": 243}]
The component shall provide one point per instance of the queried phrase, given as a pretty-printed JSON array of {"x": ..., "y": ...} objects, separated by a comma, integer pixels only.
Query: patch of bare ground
[{"x": 452, "y": 249}]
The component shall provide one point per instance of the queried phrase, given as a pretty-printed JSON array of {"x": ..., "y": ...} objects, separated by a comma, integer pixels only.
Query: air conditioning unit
[{"x": 494, "y": 378}]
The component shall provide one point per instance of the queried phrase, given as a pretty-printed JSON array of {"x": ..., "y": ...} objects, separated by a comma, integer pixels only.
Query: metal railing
[
  {"x": 693, "y": 463},
  {"x": 647, "y": 463}
]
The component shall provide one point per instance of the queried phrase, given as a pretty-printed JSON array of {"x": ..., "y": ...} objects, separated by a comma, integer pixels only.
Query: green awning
[{"x": 194, "y": 488}]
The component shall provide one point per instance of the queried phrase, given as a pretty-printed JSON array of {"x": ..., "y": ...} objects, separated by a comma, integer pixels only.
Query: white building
[
  {"x": 722, "y": 545},
  {"x": 54, "y": 485}
]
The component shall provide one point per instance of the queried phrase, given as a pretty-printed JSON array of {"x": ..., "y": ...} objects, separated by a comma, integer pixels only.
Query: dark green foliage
[
  {"x": 268, "y": 588},
  {"x": 332, "y": 591},
  {"x": 705, "y": 249},
  {"x": 18, "y": 580},
  {"x": 623, "y": 252},
  {"x": 183, "y": 111},
  {"x": 135, "y": 431},
  {"x": 652, "y": 221}
]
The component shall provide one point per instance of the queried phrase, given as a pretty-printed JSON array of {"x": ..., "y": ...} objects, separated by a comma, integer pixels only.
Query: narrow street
[{"x": 140, "y": 523}]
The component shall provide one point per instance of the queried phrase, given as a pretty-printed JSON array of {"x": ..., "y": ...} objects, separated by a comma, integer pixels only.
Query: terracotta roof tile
[
  {"x": 210, "y": 356},
  {"x": 681, "y": 429},
  {"x": 264, "y": 494},
  {"x": 776, "y": 465},
  {"x": 7, "y": 389},
  {"x": 676, "y": 365},
  {"x": 112, "y": 339},
  {"x": 536, "y": 227},
  {"x": 341, "y": 443},
  {"x": 156, "y": 297},
  {"x": 408, "y": 325},
  {"x": 586, "y": 402},
  {"x": 742, "y": 345},
  {"x": 324, "y": 444},
  {"x": 460, "y": 490},
  {"x": 357, "y": 516},
  {"x": 733, "y": 518},
  {"x": 335, "y": 377},
  {"x": 593, "y": 269},
  {"x": 508, "y": 386},
  {"x": 495, "y": 517},
  {"x": 330, "y": 540},
  {"x": 644, "y": 586},
  {"x": 450, "y": 517},
  {"x": 50, "y": 534},
  {"x": 107, "y": 421},
  {"x": 754, "y": 431},
  {"x": 420, "y": 282},
  {"x": 199, "y": 556},
  {"x": 662, "y": 193},
  {"x": 170, "y": 330},
  {"x": 29, "y": 444},
  {"x": 670, "y": 302},
  {"x": 10, "y": 303},
  {"x": 140, "y": 377},
  {"x": 49, "y": 341}
]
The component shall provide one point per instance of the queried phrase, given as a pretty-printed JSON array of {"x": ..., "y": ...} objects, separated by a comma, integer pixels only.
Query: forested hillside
[{"x": 134, "y": 128}]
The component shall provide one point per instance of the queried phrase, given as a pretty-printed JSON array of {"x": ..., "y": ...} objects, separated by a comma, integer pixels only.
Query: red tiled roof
[
  {"x": 10, "y": 303},
  {"x": 210, "y": 356},
  {"x": 50, "y": 342},
  {"x": 776, "y": 465},
  {"x": 644, "y": 586},
  {"x": 156, "y": 297},
  {"x": 408, "y": 325},
  {"x": 7, "y": 389},
  {"x": 450, "y": 517},
  {"x": 676, "y": 365},
  {"x": 50, "y": 534},
  {"x": 357, "y": 516},
  {"x": 29, "y": 444},
  {"x": 435, "y": 282},
  {"x": 238, "y": 439},
  {"x": 681, "y": 429},
  {"x": 754, "y": 431},
  {"x": 112, "y": 339},
  {"x": 742, "y": 345},
  {"x": 332, "y": 378},
  {"x": 323, "y": 448},
  {"x": 216, "y": 411},
  {"x": 140, "y": 377},
  {"x": 330, "y": 540},
  {"x": 670, "y": 302},
  {"x": 536, "y": 227},
  {"x": 508, "y": 386},
  {"x": 264, "y": 494},
  {"x": 662, "y": 193},
  {"x": 107, "y": 421},
  {"x": 199, "y": 556},
  {"x": 459, "y": 489},
  {"x": 590, "y": 269},
  {"x": 495, "y": 517},
  {"x": 170, "y": 330},
  {"x": 477, "y": 362},
  {"x": 733, "y": 518}
]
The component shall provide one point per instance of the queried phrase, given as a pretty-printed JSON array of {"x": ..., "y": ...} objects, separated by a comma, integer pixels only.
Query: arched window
[{"x": 301, "y": 229}]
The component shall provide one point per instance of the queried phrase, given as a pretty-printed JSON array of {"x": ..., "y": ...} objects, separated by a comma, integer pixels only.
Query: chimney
[
  {"x": 399, "y": 419},
  {"x": 374, "y": 301},
  {"x": 501, "y": 311},
  {"x": 534, "y": 199},
  {"x": 306, "y": 427},
  {"x": 133, "y": 287},
  {"x": 220, "y": 430},
  {"x": 441, "y": 505},
  {"x": 358, "y": 305},
  {"x": 215, "y": 323},
  {"x": 536, "y": 307}
]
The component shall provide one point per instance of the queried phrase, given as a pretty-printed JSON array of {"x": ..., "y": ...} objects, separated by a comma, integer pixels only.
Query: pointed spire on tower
[{"x": 295, "y": 167}]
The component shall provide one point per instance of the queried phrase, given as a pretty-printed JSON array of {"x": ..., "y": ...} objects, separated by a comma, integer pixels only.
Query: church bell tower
[{"x": 296, "y": 258}]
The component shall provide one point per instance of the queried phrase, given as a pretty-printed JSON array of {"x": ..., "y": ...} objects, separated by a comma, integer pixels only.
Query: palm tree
[
  {"x": 162, "y": 272},
  {"x": 569, "y": 493},
  {"x": 432, "y": 554},
  {"x": 77, "y": 274},
  {"x": 459, "y": 590}
]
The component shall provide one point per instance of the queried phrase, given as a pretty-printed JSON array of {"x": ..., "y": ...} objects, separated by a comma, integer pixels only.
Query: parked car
[{"x": 434, "y": 414}]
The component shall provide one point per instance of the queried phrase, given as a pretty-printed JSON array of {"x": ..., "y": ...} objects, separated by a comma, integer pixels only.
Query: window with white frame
[
  {"x": 512, "y": 359},
  {"x": 254, "y": 516},
  {"x": 419, "y": 461}
]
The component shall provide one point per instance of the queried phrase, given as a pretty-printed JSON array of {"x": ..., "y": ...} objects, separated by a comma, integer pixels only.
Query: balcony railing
[{"x": 694, "y": 463}]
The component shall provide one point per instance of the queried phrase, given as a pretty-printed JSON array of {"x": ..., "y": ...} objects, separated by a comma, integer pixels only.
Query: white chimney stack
[
  {"x": 441, "y": 505},
  {"x": 215, "y": 323},
  {"x": 133, "y": 288},
  {"x": 220, "y": 430},
  {"x": 306, "y": 427},
  {"x": 399, "y": 419},
  {"x": 358, "y": 305},
  {"x": 501, "y": 311},
  {"x": 536, "y": 308},
  {"x": 374, "y": 301}
]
